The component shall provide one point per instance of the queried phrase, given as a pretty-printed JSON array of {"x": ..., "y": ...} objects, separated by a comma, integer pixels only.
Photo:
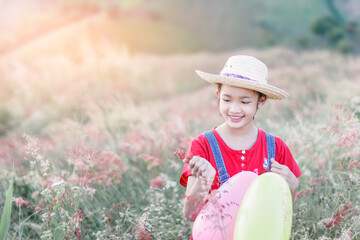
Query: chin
[{"x": 234, "y": 126}]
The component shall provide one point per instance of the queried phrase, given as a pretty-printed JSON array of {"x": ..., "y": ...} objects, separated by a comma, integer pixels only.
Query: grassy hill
[{"x": 164, "y": 26}]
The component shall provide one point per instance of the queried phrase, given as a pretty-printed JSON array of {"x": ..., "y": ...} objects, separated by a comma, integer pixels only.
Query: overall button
[
  {"x": 243, "y": 151},
  {"x": 242, "y": 165},
  {"x": 242, "y": 158}
]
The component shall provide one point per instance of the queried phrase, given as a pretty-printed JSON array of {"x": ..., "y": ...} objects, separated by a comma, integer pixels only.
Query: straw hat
[{"x": 246, "y": 72}]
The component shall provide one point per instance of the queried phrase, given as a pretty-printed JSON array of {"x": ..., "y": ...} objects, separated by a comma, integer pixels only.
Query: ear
[
  {"x": 262, "y": 101},
  {"x": 217, "y": 94}
]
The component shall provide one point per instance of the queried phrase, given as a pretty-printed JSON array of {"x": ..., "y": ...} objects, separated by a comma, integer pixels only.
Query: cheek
[
  {"x": 224, "y": 105},
  {"x": 254, "y": 109},
  {"x": 223, "y": 109},
  {"x": 250, "y": 108}
]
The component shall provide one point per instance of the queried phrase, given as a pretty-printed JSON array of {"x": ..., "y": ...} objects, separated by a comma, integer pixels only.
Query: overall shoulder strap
[
  {"x": 270, "y": 144},
  {"x": 220, "y": 165}
]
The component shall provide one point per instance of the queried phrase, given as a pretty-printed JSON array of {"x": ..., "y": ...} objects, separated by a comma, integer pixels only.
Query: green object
[
  {"x": 266, "y": 210},
  {"x": 336, "y": 34},
  {"x": 345, "y": 46},
  {"x": 5, "y": 218},
  {"x": 323, "y": 24},
  {"x": 58, "y": 234}
]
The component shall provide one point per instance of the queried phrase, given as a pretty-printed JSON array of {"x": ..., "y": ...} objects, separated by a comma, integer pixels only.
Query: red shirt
[{"x": 240, "y": 160}]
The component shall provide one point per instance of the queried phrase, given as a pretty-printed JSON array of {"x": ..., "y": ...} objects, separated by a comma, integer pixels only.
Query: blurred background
[
  {"x": 172, "y": 26},
  {"x": 99, "y": 95}
]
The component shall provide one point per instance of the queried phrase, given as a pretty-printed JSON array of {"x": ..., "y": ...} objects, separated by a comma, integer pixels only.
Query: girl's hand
[
  {"x": 285, "y": 172},
  {"x": 201, "y": 168},
  {"x": 198, "y": 186}
]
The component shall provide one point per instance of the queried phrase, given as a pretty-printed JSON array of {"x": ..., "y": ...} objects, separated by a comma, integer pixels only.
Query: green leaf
[{"x": 5, "y": 218}]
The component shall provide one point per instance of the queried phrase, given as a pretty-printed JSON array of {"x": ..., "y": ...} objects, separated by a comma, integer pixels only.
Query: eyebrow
[{"x": 229, "y": 96}]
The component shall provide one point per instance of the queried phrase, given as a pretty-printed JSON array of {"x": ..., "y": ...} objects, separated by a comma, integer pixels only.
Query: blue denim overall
[{"x": 223, "y": 175}]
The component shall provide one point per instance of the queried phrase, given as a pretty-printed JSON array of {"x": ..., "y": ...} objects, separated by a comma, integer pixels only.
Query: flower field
[{"x": 92, "y": 144}]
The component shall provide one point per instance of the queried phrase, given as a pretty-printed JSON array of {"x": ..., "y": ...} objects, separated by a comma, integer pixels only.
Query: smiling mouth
[{"x": 235, "y": 118}]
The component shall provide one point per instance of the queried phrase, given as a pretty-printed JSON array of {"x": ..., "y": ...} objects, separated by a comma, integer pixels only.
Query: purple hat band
[{"x": 237, "y": 76}]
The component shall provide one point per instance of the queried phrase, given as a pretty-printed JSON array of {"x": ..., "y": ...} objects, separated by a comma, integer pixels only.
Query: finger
[
  {"x": 274, "y": 163},
  {"x": 198, "y": 161},
  {"x": 197, "y": 167},
  {"x": 194, "y": 169},
  {"x": 276, "y": 167},
  {"x": 206, "y": 179},
  {"x": 194, "y": 172},
  {"x": 193, "y": 161},
  {"x": 204, "y": 166},
  {"x": 208, "y": 173},
  {"x": 283, "y": 171},
  {"x": 277, "y": 170},
  {"x": 201, "y": 170}
]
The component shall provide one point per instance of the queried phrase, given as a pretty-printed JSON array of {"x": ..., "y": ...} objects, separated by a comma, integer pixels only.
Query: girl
[{"x": 242, "y": 89}]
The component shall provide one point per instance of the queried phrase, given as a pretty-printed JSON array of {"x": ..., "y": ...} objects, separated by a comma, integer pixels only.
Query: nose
[{"x": 235, "y": 107}]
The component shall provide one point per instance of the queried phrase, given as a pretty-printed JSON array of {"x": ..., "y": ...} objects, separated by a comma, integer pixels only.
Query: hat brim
[{"x": 270, "y": 91}]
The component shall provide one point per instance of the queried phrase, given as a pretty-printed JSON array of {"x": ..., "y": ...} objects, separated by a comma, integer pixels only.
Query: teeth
[{"x": 235, "y": 117}]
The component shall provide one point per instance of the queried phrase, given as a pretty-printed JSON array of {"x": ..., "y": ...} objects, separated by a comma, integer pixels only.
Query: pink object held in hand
[{"x": 217, "y": 218}]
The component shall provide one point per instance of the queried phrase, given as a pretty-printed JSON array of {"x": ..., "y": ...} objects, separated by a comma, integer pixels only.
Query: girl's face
[{"x": 238, "y": 106}]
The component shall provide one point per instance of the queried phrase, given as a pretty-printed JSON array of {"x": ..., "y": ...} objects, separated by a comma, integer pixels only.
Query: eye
[
  {"x": 226, "y": 100},
  {"x": 245, "y": 102}
]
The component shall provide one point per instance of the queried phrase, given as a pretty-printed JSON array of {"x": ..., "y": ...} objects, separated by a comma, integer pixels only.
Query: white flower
[
  {"x": 170, "y": 184},
  {"x": 90, "y": 191},
  {"x": 46, "y": 192},
  {"x": 58, "y": 183}
]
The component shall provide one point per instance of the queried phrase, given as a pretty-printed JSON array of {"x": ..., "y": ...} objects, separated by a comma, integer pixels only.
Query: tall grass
[
  {"x": 93, "y": 141},
  {"x": 6, "y": 214}
]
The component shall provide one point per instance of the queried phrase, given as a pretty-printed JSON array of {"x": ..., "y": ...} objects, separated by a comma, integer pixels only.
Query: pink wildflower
[
  {"x": 339, "y": 215},
  {"x": 41, "y": 203},
  {"x": 348, "y": 140},
  {"x": 108, "y": 218},
  {"x": 315, "y": 182},
  {"x": 299, "y": 194},
  {"x": 79, "y": 217},
  {"x": 95, "y": 167},
  {"x": 37, "y": 209},
  {"x": 142, "y": 234},
  {"x": 321, "y": 163},
  {"x": 20, "y": 201},
  {"x": 354, "y": 164},
  {"x": 148, "y": 158},
  {"x": 156, "y": 182},
  {"x": 180, "y": 153},
  {"x": 78, "y": 233},
  {"x": 135, "y": 142}
]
